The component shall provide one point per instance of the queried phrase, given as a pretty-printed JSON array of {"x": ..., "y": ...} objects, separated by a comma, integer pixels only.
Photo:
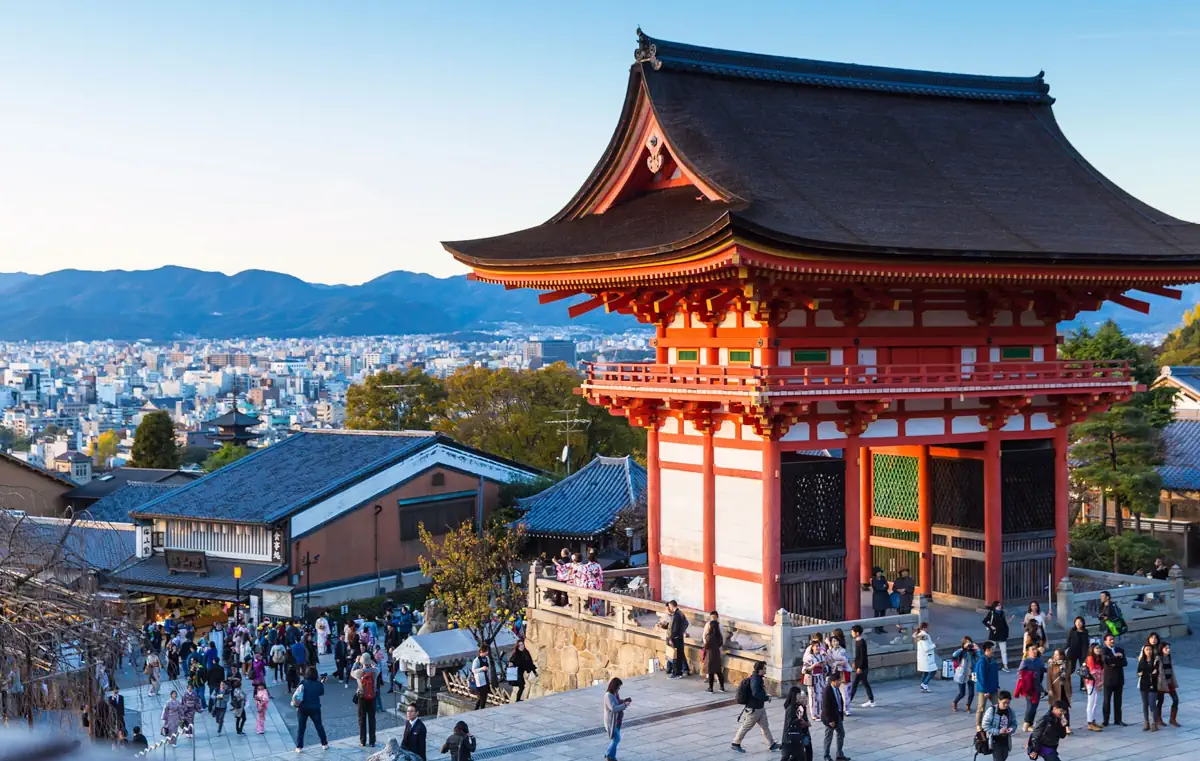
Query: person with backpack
[
  {"x": 997, "y": 728},
  {"x": 237, "y": 704},
  {"x": 278, "y": 660},
  {"x": 460, "y": 744},
  {"x": 481, "y": 678},
  {"x": 1029, "y": 684},
  {"x": 797, "y": 740},
  {"x": 1114, "y": 680},
  {"x": 1110, "y": 615},
  {"x": 964, "y": 673},
  {"x": 861, "y": 667},
  {"x": 987, "y": 681},
  {"x": 996, "y": 624},
  {"x": 614, "y": 712},
  {"x": 752, "y": 696},
  {"x": 367, "y": 677},
  {"x": 1043, "y": 742}
]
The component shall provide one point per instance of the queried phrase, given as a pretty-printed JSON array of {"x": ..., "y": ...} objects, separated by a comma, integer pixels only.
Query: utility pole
[
  {"x": 398, "y": 386},
  {"x": 308, "y": 563},
  {"x": 568, "y": 423}
]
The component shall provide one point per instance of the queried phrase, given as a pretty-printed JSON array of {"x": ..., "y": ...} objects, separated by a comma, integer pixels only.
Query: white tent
[{"x": 452, "y": 647}]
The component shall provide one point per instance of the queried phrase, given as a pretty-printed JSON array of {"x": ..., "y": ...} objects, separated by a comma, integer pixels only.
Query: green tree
[
  {"x": 1108, "y": 342},
  {"x": 413, "y": 400},
  {"x": 10, "y": 439},
  {"x": 154, "y": 442},
  {"x": 1182, "y": 346},
  {"x": 194, "y": 455},
  {"x": 105, "y": 446},
  {"x": 226, "y": 454}
]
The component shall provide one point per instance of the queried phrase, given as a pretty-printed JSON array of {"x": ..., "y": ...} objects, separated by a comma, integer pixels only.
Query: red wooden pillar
[
  {"x": 853, "y": 509},
  {"x": 661, "y": 354},
  {"x": 653, "y": 508},
  {"x": 1062, "y": 509},
  {"x": 993, "y": 522},
  {"x": 925, "y": 519},
  {"x": 867, "y": 500},
  {"x": 709, "y": 524},
  {"x": 770, "y": 530},
  {"x": 712, "y": 355}
]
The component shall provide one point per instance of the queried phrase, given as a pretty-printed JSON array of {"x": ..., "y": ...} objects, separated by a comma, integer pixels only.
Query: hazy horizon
[{"x": 336, "y": 143}]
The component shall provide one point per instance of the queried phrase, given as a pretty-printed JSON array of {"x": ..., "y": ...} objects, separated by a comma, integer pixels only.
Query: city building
[
  {"x": 32, "y": 490},
  {"x": 539, "y": 353},
  {"x": 75, "y": 465},
  {"x": 234, "y": 428},
  {"x": 857, "y": 258},
  {"x": 88, "y": 495}
]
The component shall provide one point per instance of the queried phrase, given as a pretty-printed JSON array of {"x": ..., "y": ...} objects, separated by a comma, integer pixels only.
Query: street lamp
[
  {"x": 629, "y": 536},
  {"x": 308, "y": 563},
  {"x": 237, "y": 597}
]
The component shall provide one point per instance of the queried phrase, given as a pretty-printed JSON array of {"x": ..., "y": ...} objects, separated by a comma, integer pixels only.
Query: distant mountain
[
  {"x": 1165, "y": 314},
  {"x": 176, "y": 301}
]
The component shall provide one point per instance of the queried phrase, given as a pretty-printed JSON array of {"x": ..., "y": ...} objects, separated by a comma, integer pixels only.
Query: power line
[{"x": 569, "y": 423}]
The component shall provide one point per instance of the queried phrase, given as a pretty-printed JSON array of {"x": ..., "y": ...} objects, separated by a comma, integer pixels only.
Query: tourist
[
  {"x": 999, "y": 723},
  {"x": 404, "y": 623},
  {"x": 1058, "y": 681},
  {"x": 481, "y": 678},
  {"x": 713, "y": 641},
  {"x": 278, "y": 661},
  {"x": 676, "y": 631},
  {"x": 258, "y": 669},
  {"x": 138, "y": 742},
  {"x": 1043, "y": 743},
  {"x": 1032, "y": 638},
  {"x": 593, "y": 578},
  {"x": 172, "y": 661},
  {"x": 381, "y": 662},
  {"x": 1154, "y": 641},
  {"x": 460, "y": 744},
  {"x": 198, "y": 679},
  {"x": 367, "y": 677},
  {"x": 880, "y": 596},
  {"x": 905, "y": 586},
  {"x": 926, "y": 655},
  {"x": 391, "y": 641},
  {"x": 987, "y": 681},
  {"x": 997, "y": 627},
  {"x": 1029, "y": 684},
  {"x": 1147, "y": 676},
  {"x": 322, "y": 627},
  {"x": 413, "y": 740},
  {"x": 153, "y": 671},
  {"x": 964, "y": 673},
  {"x": 797, "y": 740},
  {"x": 262, "y": 699},
  {"x": 563, "y": 570},
  {"x": 341, "y": 658},
  {"x": 614, "y": 712},
  {"x": 1077, "y": 644},
  {"x": 522, "y": 661},
  {"x": 1167, "y": 685},
  {"x": 1110, "y": 613},
  {"x": 1034, "y": 613},
  {"x": 1114, "y": 680},
  {"x": 1091, "y": 676},
  {"x": 309, "y": 708},
  {"x": 214, "y": 675},
  {"x": 190, "y": 705},
  {"x": 311, "y": 656},
  {"x": 861, "y": 667},
  {"x": 237, "y": 704},
  {"x": 218, "y": 702},
  {"x": 814, "y": 672},
  {"x": 754, "y": 711},
  {"x": 172, "y": 717},
  {"x": 839, "y": 660},
  {"x": 833, "y": 708}
]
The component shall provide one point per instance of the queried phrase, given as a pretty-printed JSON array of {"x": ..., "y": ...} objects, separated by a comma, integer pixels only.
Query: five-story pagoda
[{"x": 855, "y": 276}]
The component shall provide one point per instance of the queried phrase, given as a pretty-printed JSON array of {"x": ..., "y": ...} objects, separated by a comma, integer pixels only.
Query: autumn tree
[
  {"x": 472, "y": 575},
  {"x": 154, "y": 442},
  {"x": 229, "y": 452},
  {"x": 1182, "y": 346},
  {"x": 394, "y": 400},
  {"x": 105, "y": 447}
]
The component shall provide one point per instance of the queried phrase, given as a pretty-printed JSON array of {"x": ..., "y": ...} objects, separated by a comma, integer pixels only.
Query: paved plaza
[{"x": 677, "y": 719}]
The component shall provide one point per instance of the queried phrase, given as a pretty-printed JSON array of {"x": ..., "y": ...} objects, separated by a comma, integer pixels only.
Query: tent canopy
[{"x": 447, "y": 648}]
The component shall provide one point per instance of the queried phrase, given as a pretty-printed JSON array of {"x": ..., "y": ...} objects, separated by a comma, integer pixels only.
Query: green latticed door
[{"x": 894, "y": 482}]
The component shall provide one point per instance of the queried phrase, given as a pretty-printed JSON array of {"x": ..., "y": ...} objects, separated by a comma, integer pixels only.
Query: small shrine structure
[{"x": 855, "y": 260}]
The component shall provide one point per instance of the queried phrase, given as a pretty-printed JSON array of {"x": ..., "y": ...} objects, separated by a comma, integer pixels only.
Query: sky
[{"x": 339, "y": 141}]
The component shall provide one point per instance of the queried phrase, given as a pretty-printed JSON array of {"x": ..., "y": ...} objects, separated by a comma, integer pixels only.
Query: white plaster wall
[
  {"x": 750, "y": 322},
  {"x": 1039, "y": 421},
  {"x": 673, "y": 425},
  {"x": 828, "y": 430},
  {"x": 946, "y": 318},
  {"x": 682, "y": 504},
  {"x": 1039, "y": 354},
  {"x": 722, "y": 356},
  {"x": 836, "y": 357},
  {"x": 684, "y": 586},
  {"x": 748, "y": 434},
  {"x": 689, "y": 429},
  {"x": 966, "y": 425},
  {"x": 882, "y": 429},
  {"x": 739, "y": 523},
  {"x": 868, "y": 356},
  {"x": 969, "y": 355},
  {"x": 677, "y": 321},
  {"x": 728, "y": 430},
  {"x": 798, "y": 432},
  {"x": 797, "y": 318},
  {"x": 925, "y": 426},
  {"x": 689, "y": 454},
  {"x": 739, "y": 599},
  {"x": 994, "y": 354},
  {"x": 730, "y": 320},
  {"x": 742, "y": 459},
  {"x": 785, "y": 357},
  {"x": 888, "y": 318}
]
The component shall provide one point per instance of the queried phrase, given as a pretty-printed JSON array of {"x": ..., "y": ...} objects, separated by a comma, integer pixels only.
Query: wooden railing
[{"x": 828, "y": 379}]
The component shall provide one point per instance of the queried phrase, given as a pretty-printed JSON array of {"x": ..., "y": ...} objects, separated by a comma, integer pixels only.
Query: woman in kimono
[
  {"x": 153, "y": 671},
  {"x": 815, "y": 670},
  {"x": 593, "y": 578},
  {"x": 172, "y": 716},
  {"x": 839, "y": 661}
]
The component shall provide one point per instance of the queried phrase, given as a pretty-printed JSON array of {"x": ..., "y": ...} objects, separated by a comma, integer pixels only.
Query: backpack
[
  {"x": 237, "y": 701},
  {"x": 278, "y": 654},
  {"x": 367, "y": 690},
  {"x": 743, "y": 692},
  {"x": 983, "y": 746},
  {"x": 298, "y": 696}
]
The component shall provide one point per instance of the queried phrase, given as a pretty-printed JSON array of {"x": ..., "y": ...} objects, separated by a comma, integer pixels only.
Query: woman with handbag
[
  {"x": 460, "y": 744},
  {"x": 521, "y": 663},
  {"x": 713, "y": 640},
  {"x": 153, "y": 671},
  {"x": 1091, "y": 675},
  {"x": 814, "y": 670},
  {"x": 172, "y": 717},
  {"x": 926, "y": 655},
  {"x": 964, "y": 673},
  {"x": 797, "y": 741}
]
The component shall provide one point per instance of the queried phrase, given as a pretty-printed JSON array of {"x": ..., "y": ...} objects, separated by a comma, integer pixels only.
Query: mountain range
[{"x": 172, "y": 302}]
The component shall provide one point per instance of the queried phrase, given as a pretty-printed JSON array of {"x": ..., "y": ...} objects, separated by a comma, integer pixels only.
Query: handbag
[
  {"x": 512, "y": 674},
  {"x": 894, "y": 599}
]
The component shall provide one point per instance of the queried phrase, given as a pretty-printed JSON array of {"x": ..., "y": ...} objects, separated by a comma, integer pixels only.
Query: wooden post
[
  {"x": 853, "y": 509},
  {"x": 867, "y": 499},
  {"x": 653, "y": 511},
  {"x": 770, "y": 530},
  {"x": 925, "y": 519},
  {"x": 993, "y": 521},
  {"x": 709, "y": 523},
  {"x": 712, "y": 355},
  {"x": 661, "y": 353},
  {"x": 1062, "y": 507}
]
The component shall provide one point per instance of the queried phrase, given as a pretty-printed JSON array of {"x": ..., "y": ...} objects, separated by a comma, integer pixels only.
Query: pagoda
[
  {"x": 855, "y": 275},
  {"x": 234, "y": 428}
]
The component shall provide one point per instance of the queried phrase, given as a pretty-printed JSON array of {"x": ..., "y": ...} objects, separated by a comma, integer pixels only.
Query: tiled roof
[
  {"x": 61, "y": 478},
  {"x": 587, "y": 502},
  {"x": 152, "y": 575},
  {"x": 129, "y": 496},
  {"x": 1184, "y": 376},
  {"x": 277, "y": 480},
  {"x": 107, "y": 483},
  {"x": 98, "y": 545},
  {"x": 1181, "y": 469}
]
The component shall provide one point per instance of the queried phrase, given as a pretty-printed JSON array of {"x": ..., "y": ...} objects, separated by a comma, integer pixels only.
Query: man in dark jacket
[
  {"x": 755, "y": 710},
  {"x": 341, "y": 657},
  {"x": 1114, "y": 680},
  {"x": 675, "y": 634},
  {"x": 1043, "y": 742},
  {"x": 880, "y": 597},
  {"x": 904, "y": 585},
  {"x": 414, "y": 733},
  {"x": 833, "y": 714},
  {"x": 861, "y": 667}
]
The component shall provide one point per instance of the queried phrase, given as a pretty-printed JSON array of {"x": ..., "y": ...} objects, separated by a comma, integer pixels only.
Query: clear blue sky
[{"x": 339, "y": 141}]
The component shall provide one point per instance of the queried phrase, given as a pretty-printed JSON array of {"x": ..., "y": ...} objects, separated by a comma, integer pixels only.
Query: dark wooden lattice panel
[
  {"x": 968, "y": 577},
  {"x": 956, "y": 486},
  {"x": 1027, "y": 490},
  {"x": 814, "y": 584},
  {"x": 894, "y": 481},
  {"x": 812, "y": 504},
  {"x": 941, "y": 573},
  {"x": 1028, "y": 579},
  {"x": 891, "y": 560}
]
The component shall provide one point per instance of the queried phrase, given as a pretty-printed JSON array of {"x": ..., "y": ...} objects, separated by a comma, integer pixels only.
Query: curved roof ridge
[{"x": 733, "y": 63}]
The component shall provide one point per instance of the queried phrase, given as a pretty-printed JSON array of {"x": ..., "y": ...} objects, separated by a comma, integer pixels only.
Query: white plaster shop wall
[
  {"x": 739, "y": 599},
  {"x": 681, "y": 502},
  {"x": 739, "y": 523},
  {"x": 684, "y": 586}
]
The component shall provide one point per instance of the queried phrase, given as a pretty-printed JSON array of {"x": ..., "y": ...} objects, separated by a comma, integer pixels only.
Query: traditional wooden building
[{"x": 846, "y": 257}]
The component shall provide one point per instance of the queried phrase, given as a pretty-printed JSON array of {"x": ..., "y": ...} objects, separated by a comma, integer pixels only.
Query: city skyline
[{"x": 337, "y": 146}]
